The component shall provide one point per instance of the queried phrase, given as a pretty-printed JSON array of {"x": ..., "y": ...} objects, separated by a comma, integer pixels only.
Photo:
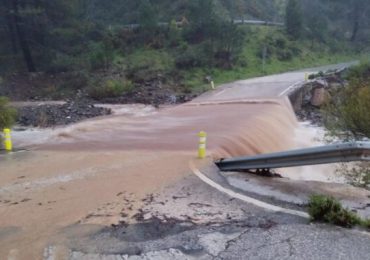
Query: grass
[
  {"x": 195, "y": 79},
  {"x": 250, "y": 64},
  {"x": 329, "y": 210},
  {"x": 282, "y": 55},
  {"x": 366, "y": 223},
  {"x": 111, "y": 88},
  {"x": 7, "y": 114}
]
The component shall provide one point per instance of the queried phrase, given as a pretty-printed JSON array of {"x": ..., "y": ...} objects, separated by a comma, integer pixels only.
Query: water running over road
[{"x": 83, "y": 169}]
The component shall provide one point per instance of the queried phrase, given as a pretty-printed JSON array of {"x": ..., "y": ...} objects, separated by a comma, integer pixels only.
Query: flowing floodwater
[
  {"x": 78, "y": 170},
  {"x": 235, "y": 128}
]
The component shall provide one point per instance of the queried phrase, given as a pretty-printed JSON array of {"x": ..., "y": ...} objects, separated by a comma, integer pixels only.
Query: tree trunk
[
  {"x": 11, "y": 30},
  {"x": 356, "y": 21},
  {"x": 356, "y": 26},
  {"x": 22, "y": 39}
]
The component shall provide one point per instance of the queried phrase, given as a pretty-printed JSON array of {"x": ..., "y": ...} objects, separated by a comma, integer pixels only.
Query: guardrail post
[
  {"x": 202, "y": 150},
  {"x": 7, "y": 140}
]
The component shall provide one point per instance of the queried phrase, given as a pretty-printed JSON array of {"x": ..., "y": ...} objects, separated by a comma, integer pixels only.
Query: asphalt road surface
[{"x": 121, "y": 187}]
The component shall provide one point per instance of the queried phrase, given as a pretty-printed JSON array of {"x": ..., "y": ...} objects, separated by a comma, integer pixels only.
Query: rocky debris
[
  {"x": 151, "y": 93},
  {"x": 53, "y": 115},
  {"x": 154, "y": 89},
  {"x": 320, "y": 97},
  {"x": 311, "y": 97},
  {"x": 330, "y": 75},
  {"x": 310, "y": 113}
]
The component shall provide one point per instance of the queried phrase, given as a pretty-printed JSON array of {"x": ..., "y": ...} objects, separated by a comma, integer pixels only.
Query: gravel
[{"x": 54, "y": 115}]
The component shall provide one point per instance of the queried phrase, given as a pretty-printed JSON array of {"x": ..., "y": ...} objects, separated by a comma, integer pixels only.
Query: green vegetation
[
  {"x": 178, "y": 43},
  {"x": 294, "y": 19},
  {"x": 283, "y": 54},
  {"x": 329, "y": 210},
  {"x": 347, "y": 117},
  {"x": 349, "y": 111},
  {"x": 7, "y": 114},
  {"x": 366, "y": 223},
  {"x": 110, "y": 89}
]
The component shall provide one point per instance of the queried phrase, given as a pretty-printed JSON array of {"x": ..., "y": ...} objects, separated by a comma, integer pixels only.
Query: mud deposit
[{"x": 54, "y": 115}]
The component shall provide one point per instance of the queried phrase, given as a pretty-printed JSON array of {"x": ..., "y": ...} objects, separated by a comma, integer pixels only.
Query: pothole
[{"x": 151, "y": 229}]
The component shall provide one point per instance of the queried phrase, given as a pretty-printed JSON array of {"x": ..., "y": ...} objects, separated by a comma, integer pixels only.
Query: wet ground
[
  {"x": 221, "y": 228},
  {"x": 121, "y": 187}
]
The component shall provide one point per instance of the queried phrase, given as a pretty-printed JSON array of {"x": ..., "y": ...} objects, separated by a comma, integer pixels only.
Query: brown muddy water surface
[
  {"x": 80, "y": 173},
  {"x": 234, "y": 128}
]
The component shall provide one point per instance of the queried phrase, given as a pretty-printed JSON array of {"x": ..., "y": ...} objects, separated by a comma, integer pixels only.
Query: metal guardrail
[
  {"x": 346, "y": 152},
  {"x": 257, "y": 22},
  {"x": 236, "y": 21}
]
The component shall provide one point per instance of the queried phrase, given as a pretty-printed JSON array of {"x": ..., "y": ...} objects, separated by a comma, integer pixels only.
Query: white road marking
[
  {"x": 290, "y": 88},
  {"x": 221, "y": 92},
  {"x": 13, "y": 254},
  {"x": 49, "y": 253},
  {"x": 245, "y": 198},
  {"x": 235, "y": 101}
]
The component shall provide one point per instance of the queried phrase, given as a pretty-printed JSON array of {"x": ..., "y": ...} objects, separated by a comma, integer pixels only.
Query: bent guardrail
[{"x": 346, "y": 152}]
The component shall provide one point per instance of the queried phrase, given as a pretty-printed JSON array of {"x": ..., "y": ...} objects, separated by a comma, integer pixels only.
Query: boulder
[{"x": 320, "y": 97}]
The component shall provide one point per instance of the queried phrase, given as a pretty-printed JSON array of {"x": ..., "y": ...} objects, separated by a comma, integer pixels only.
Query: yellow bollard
[
  {"x": 202, "y": 145},
  {"x": 212, "y": 85},
  {"x": 7, "y": 140}
]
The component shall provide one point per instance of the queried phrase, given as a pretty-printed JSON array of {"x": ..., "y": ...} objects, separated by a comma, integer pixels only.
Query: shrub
[
  {"x": 62, "y": 63},
  {"x": 354, "y": 111},
  {"x": 279, "y": 46},
  {"x": 366, "y": 223},
  {"x": 7, "y": 114},
  {"x": 349, "y": 110},
  {"x": 192, "y": 57},
  {"x": 145, "y": 65},
  {"x": 100, "y": 56},
  {"x": 110, "y": 89},
  {"x": 329, "y": 210},
  {"x": 361, "y": 72},
  {"x": 284, "y": 55}
]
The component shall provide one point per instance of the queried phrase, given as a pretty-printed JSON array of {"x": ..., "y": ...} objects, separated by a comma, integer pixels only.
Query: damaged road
[
  {"x": 120, "y": 187},
  {"x": 223, "y": 229}
]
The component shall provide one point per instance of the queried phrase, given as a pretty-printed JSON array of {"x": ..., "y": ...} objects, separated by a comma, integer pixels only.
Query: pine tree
[{"x": 293, "y": 17}]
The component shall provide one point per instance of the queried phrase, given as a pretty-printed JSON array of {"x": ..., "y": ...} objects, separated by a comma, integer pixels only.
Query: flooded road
[{"x": 99, "y": 171}]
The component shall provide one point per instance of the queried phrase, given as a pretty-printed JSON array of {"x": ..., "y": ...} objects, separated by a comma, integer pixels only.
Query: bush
[
  {"x": 284, "y": 55},
  {"x": 145, "y": 65},
  {"x": 279, "y": 46},
  {"x": 366, "y": 223},
  {"x": 110, "y": 89},
  {"x": 100, "y": 56},
  {"x": 329, "y": 210},
  {"x": 191, "y": 57},
  {"x": 349, "y": 111},
  {"x": 62, "y": 63},
  {"x": 354, "y": 110},
  {"x": 7, "y": 114},
  {"x": 361, "y": 72}
]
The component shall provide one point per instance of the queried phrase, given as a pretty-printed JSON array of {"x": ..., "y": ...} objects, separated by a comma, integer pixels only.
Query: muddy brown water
[
  {"x": 234, "y": 129},
  {"x": 85, "y": 169}
]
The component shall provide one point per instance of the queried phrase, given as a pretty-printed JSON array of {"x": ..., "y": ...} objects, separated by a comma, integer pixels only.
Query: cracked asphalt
[
  {"x": 223, "y": 228},
  {"x": 145, "y": 203}
]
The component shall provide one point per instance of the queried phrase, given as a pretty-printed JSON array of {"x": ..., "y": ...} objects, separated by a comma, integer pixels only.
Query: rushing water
[
  {"x": 238, "y": 128},
  {"x": 80, "y": 167}
]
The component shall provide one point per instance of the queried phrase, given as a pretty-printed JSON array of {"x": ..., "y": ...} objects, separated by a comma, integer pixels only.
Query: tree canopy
[{"x": 47, "y": 35}]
